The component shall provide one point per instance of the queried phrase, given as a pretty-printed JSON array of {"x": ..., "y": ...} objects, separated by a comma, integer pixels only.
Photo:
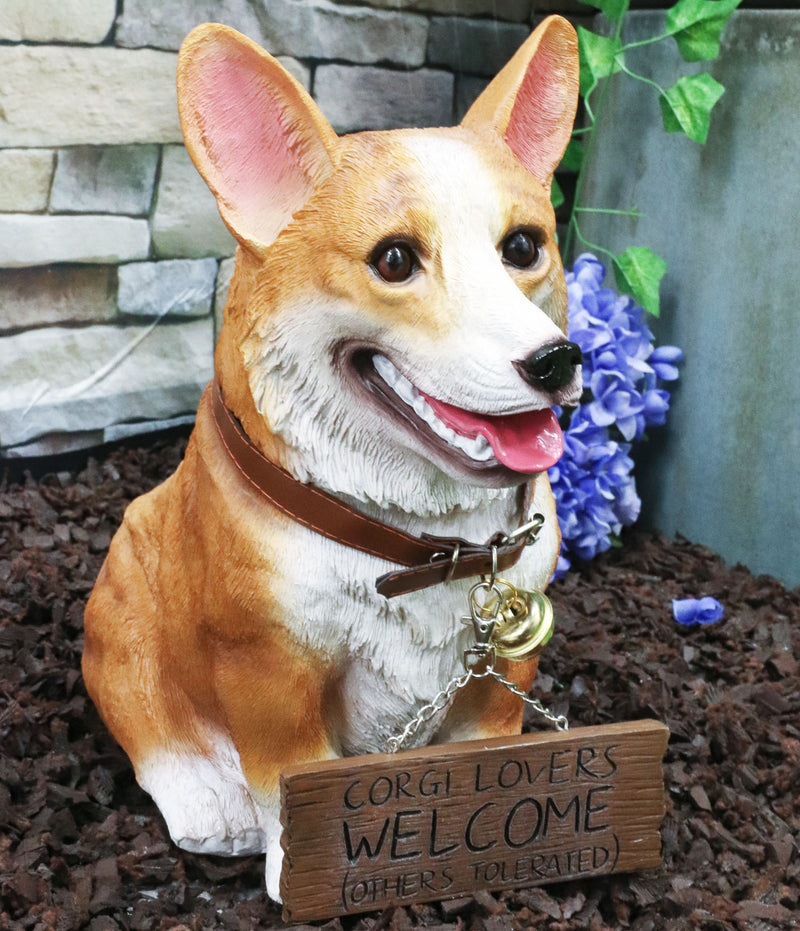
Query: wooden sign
[{"x": 367, "y": 832}]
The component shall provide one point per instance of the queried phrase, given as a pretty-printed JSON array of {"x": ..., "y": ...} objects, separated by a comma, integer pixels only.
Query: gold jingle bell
[{"x": 523, "y": 625}]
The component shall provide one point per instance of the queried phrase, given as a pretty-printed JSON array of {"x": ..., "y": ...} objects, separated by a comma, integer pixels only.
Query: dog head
[{"x": 395, "y": 326}]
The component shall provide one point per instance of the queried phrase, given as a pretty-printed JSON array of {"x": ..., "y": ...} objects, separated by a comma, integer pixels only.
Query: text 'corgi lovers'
[{"x": 375, "y": 831}]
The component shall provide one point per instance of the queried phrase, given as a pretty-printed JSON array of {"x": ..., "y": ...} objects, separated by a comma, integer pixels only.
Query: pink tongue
[{"x": 528, "y": 442}]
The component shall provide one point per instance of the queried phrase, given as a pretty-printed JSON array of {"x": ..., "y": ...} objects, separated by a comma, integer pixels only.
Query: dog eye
[
  {"x": 395, "y": 263},
  {"x": 521, "y": 249}
]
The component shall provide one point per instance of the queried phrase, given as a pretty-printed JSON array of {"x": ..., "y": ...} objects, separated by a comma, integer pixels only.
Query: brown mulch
[{"x": 81, "y": 846}]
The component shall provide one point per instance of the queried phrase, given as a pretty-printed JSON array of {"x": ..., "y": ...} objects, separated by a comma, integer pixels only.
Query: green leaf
[
  {"x": 613, "y": 9},
  {"x": 639, "y": 271},
  {"x": 574, "y": 156},
  {"x": 697, "y": 26},
  {"x": 598, "y": 58},
  {"x": 686, "y": 107},
  {"x": 556, "y": 195}
]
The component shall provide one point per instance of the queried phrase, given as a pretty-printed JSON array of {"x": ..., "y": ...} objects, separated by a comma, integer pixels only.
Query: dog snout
[{"x": 551, "y": 367}]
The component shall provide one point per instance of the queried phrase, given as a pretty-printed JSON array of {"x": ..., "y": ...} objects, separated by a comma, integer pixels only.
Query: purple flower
[
  {"x": 690, "y": 611},
  {"x": 616, "y": 401},
  {"x": 664, "y": 359},
  {"x": 593, "y": 481}
]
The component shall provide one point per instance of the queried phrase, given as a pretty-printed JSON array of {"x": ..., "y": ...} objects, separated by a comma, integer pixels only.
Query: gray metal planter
[{"x": 726, "y": 469}]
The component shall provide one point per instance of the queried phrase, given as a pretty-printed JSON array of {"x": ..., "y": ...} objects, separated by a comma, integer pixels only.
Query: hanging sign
[{"x": 364, "y": 833}]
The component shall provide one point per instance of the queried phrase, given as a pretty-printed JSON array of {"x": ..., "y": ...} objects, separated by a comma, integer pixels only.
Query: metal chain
[
  {"x": 426, "y": 712},
  {"x": 559, "y": 721},
  {"x": 481, "y": 651},
  {"x": 442, "y": 699}
]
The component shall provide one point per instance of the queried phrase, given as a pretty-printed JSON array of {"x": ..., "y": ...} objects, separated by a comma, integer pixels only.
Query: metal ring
[
  {"x": 530, "y": 529},
  {"x": 494, "y": 566},
  {"x": 478, "y": 610},
  {"x": 453, "y": 560}
]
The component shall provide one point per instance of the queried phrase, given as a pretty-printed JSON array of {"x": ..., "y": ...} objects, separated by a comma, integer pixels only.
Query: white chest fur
[{"x": 392, "y": 656}]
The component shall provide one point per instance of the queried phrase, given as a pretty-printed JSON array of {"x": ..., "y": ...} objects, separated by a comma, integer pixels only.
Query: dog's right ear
[{"x": 254, "y": 134}]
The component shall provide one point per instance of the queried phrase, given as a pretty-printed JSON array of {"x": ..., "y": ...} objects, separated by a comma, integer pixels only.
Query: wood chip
[{"x": 75, "y": 856}]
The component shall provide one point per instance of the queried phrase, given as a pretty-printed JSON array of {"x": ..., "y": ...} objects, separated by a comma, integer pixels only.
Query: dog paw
[
  {"x": 273, "y": 866},
  {"x": 206, "y": 804},
  {"x": 250, "y": 841}
]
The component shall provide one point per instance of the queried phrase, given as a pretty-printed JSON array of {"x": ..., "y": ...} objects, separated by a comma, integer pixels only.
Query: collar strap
[{"x": 430, "y": 559}]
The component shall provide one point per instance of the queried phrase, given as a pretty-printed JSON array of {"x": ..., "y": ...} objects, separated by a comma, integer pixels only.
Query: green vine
[{"x": 696, "y": 26}]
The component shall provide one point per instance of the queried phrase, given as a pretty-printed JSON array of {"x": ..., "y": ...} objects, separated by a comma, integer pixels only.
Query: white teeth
[
  {"x": 477, "y": 448},
  {"x": 420, "y": 407},
  {"x": 385, "y": 369},
  {"x": 405, "y": 389}
]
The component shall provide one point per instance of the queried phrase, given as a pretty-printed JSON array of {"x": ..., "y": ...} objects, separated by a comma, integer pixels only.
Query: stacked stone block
[{"x": 114, "y": 263}]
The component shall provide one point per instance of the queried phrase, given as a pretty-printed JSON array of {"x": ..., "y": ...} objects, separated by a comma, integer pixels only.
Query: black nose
[{"x": 551, "y": 367}]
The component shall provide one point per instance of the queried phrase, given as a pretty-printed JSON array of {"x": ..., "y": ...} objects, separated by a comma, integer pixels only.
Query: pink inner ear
[
  {"x": 541, "y": 120},
  {"x": 254, "y": 153}
]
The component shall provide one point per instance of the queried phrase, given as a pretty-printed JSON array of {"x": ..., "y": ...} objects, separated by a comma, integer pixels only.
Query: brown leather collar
[{"x": 430, "y": 559}]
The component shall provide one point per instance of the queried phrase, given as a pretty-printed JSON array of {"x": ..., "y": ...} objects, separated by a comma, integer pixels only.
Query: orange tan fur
[{"x": 224, "y": 641}]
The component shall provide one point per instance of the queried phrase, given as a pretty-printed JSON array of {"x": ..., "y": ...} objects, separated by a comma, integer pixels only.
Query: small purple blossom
[
  {"x": 593, "y": 481},
  {"x": 690, "y": 611},
  {"x": 663, "y": 360}
]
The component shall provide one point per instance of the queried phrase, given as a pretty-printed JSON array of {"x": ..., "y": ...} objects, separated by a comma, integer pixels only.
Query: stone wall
[{"x": 114, "y": 262}]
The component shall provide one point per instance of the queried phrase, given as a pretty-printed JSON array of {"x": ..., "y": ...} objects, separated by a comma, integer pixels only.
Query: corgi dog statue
[{"x": 393, "y": 343}]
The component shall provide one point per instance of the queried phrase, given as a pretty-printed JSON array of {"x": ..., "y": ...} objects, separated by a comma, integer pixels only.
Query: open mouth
[{"x": 526, "y": 442}]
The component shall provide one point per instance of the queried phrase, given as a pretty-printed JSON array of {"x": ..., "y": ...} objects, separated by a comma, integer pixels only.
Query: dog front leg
[{"x": 273, "y": 698}]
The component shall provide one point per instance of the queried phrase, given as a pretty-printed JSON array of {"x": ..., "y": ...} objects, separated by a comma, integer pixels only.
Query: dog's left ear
[{"x": 532, "y": 101}]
